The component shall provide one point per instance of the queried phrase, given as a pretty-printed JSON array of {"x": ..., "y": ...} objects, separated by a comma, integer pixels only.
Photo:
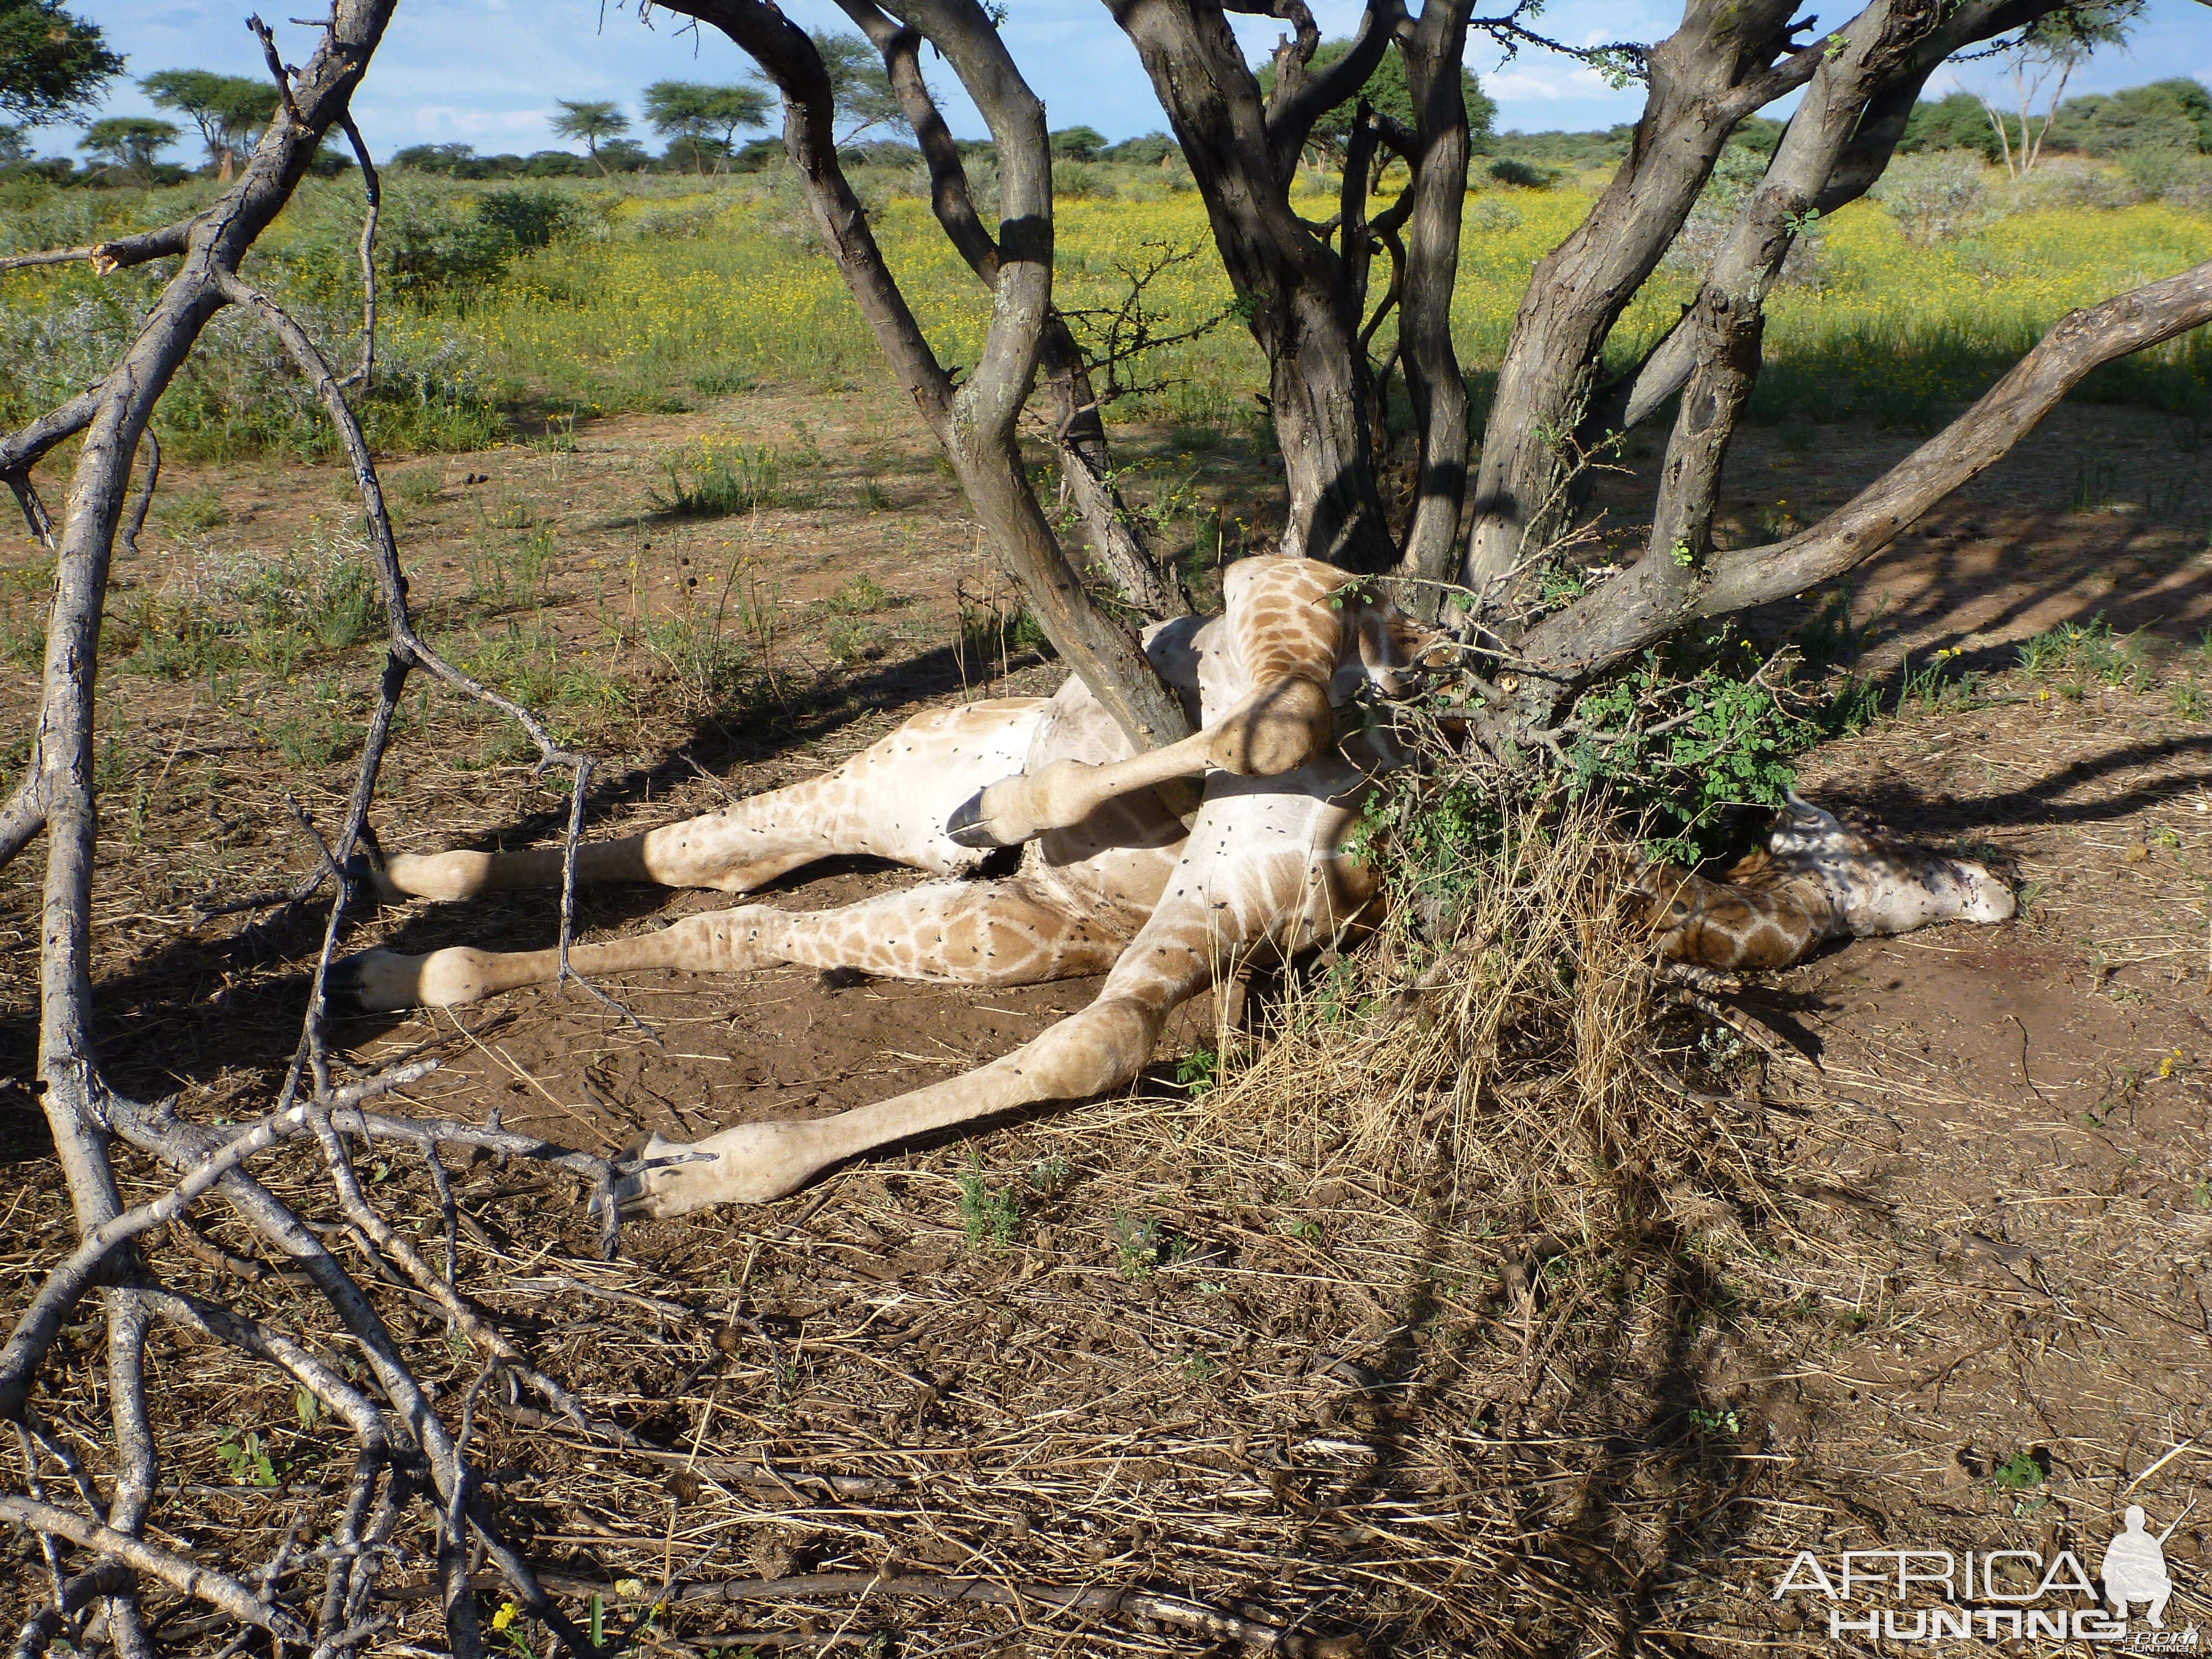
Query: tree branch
[
  {"x": 1705, "y": 78},
  {"x": 1836, "y": 144},
  {"x": 184, "y": 1576},
  {"x": 1610, "y": 624},
  {"x": 975, "y": 424}
]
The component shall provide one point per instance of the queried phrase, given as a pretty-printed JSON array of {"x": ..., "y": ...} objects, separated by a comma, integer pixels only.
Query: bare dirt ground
[{"x": 1939, "y": 1280}]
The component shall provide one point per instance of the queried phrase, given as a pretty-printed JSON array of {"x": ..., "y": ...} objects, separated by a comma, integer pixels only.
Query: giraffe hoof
[
  {"x": 966, "y": 827},
  {"x": 650, "y": 1181},
  {"x": 369, "y": 982},
  {"x": 366, "y": 869}
]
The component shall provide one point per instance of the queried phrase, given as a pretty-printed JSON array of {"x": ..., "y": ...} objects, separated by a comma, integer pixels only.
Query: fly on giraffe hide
[{"x": 1118, "y": 873}]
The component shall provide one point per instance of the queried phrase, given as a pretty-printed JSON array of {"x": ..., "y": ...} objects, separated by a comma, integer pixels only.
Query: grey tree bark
[{"x": 976, "y": 423}]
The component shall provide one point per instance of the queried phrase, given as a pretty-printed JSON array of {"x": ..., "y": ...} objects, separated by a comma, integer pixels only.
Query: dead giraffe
[
  {"x": 1112, "y": 879},
  {"x": 1818, "y": 879}
]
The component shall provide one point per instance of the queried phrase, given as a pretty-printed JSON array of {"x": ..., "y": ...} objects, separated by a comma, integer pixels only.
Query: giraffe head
[{"x": 1884, "y": 886}]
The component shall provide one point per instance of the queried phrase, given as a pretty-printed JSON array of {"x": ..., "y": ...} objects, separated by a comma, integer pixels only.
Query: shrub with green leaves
[
  {"x": 532, "y": 217},
  {"x": 1687, "y": 731}
]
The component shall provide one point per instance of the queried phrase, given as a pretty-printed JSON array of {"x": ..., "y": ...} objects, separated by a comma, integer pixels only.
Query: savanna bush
[
  {"x": 1934, "y": 197},
  {"x": 1735, "y": 175}
]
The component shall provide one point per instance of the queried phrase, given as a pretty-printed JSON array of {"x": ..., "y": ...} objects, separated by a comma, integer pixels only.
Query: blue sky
[{"x": 486, "y": 72}]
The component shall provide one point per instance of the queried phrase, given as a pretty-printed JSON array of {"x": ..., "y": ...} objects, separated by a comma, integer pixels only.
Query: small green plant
[
  {"x": 861, "y": 597},
  {"x": 723, "y": 382},
  {"x": 559, "y": 437},
  {"x": 874, "y": 498},
  {"x": 248, "y": 1460},
  {"x": 2072, "y": 656},
  {"x": 2191, "y": 702},
  {"x": 1051, "y": 1176},
  {"x": 719, "y": 482},
  {"x": 1143, "y": 1245},
  {"x": 1931, "y": 685},
  {"x": 849, "y": 640},
  {"x": 2022, "y": 1471},
  {"x": 990, "y": 1215},
  {"x": 1198, "y": 1071},
  {"x": 1716, "y": 1423}
]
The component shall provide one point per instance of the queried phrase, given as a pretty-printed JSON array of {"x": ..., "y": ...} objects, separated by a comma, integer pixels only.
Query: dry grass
[{"x": 1392, "y": 1333}]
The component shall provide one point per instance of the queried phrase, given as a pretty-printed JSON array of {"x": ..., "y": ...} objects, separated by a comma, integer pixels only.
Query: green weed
[
  {"x": 990, "y": 1216},
  {"x": 721, "y": 483},
  {"x": 2074, "y": 656},
  {"x": 248, "y": 1460},
  {"x": 2021, "y": 1472},
  {"x": 862, "y": 596},
  {"x": 1198, "y": 1071}
]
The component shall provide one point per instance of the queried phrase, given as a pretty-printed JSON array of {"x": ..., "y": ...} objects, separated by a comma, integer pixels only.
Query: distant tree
[
  {"x": 2174, "y": 114},
  {"x": 689, "y": 115},
  {"x": 1957, "y": 122},
  {"x": 623, "y": 155},
  {"x": 1078, "y": 143},
  {"x": 860, "y": 88},
  {"x": 15, "y": 146},
  {"x": 51, "y": 65},
  {"x": 129, "y": 143},
  {"x": 229, "y": 110},
  {"x": 434, "y": 158},
  {"x": 591, "y": 122},
  {"x": 1386, "y": 91},
  {"x": 1150, "y": 150},
  {"x": 557, "y": 164},
  {"x": 2047, "y": 54}
]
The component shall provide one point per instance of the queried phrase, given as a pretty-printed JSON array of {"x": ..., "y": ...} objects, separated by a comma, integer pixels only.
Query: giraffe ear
[{"x": 1799, "y": 826}]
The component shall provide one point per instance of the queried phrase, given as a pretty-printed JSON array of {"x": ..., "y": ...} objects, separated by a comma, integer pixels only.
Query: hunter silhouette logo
[
  {"x": 2134, "y": 1570},
  {"x": 1935, "y": 1594}
]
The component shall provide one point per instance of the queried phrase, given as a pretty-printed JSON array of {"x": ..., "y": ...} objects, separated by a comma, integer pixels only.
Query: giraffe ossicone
[{"x": 1117, "y": 875}]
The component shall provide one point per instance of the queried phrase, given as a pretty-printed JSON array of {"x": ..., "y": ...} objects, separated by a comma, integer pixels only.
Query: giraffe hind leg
[
  {"x": 981, "y": 932},
  {"x": 890, "y": 801}
]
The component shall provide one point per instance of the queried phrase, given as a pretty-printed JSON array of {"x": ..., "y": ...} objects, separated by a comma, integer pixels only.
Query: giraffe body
[{"x": 1122, "y": 873}]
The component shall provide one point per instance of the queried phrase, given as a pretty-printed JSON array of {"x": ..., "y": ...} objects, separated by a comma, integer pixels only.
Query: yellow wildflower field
[{"x": 1888, "y": 328}]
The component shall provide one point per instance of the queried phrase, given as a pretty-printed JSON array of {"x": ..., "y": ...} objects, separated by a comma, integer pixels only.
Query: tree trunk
[
  {"x": 1290, "y": 286},
  {"x": 1438, "y": 191},
  {"x": 1705, "y": 78},
  {"x": 975, "y": 424}
]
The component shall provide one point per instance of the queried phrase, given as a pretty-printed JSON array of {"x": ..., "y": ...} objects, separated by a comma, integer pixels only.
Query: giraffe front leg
[
  {"x": 1285, "y": 725},
  {"x": 1100, "y": 1048}
]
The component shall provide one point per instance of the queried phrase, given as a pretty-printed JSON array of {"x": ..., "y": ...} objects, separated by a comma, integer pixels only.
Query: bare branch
[
  {"x": 109, "y": 258},
  {"x": 1612, "y": 620},
  {"x": 35, "y": 1330},
  {"x": 365, "y": 374},
  {"x": 186, "y": 1578},
  {"x": 38, "y": 1631},
  {"x": 128, "y": 536},
  {"x": 1300, "y": 99},
  {"x": 22, "y": 450}
]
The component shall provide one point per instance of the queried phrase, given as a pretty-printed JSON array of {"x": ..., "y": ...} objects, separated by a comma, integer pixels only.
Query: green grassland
[{"x": 579, "y": 298}]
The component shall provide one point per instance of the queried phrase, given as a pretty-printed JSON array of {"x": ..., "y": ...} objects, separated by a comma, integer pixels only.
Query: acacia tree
[
  {"x": 129, "y": 143},
  {"x": 229, "y": 110},
  {"x": 591, "y": 122},
  {"x": 51, "y": 64},
  {"x": 1316, "y": 300},
  {"x": 687, "y": 113}
]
